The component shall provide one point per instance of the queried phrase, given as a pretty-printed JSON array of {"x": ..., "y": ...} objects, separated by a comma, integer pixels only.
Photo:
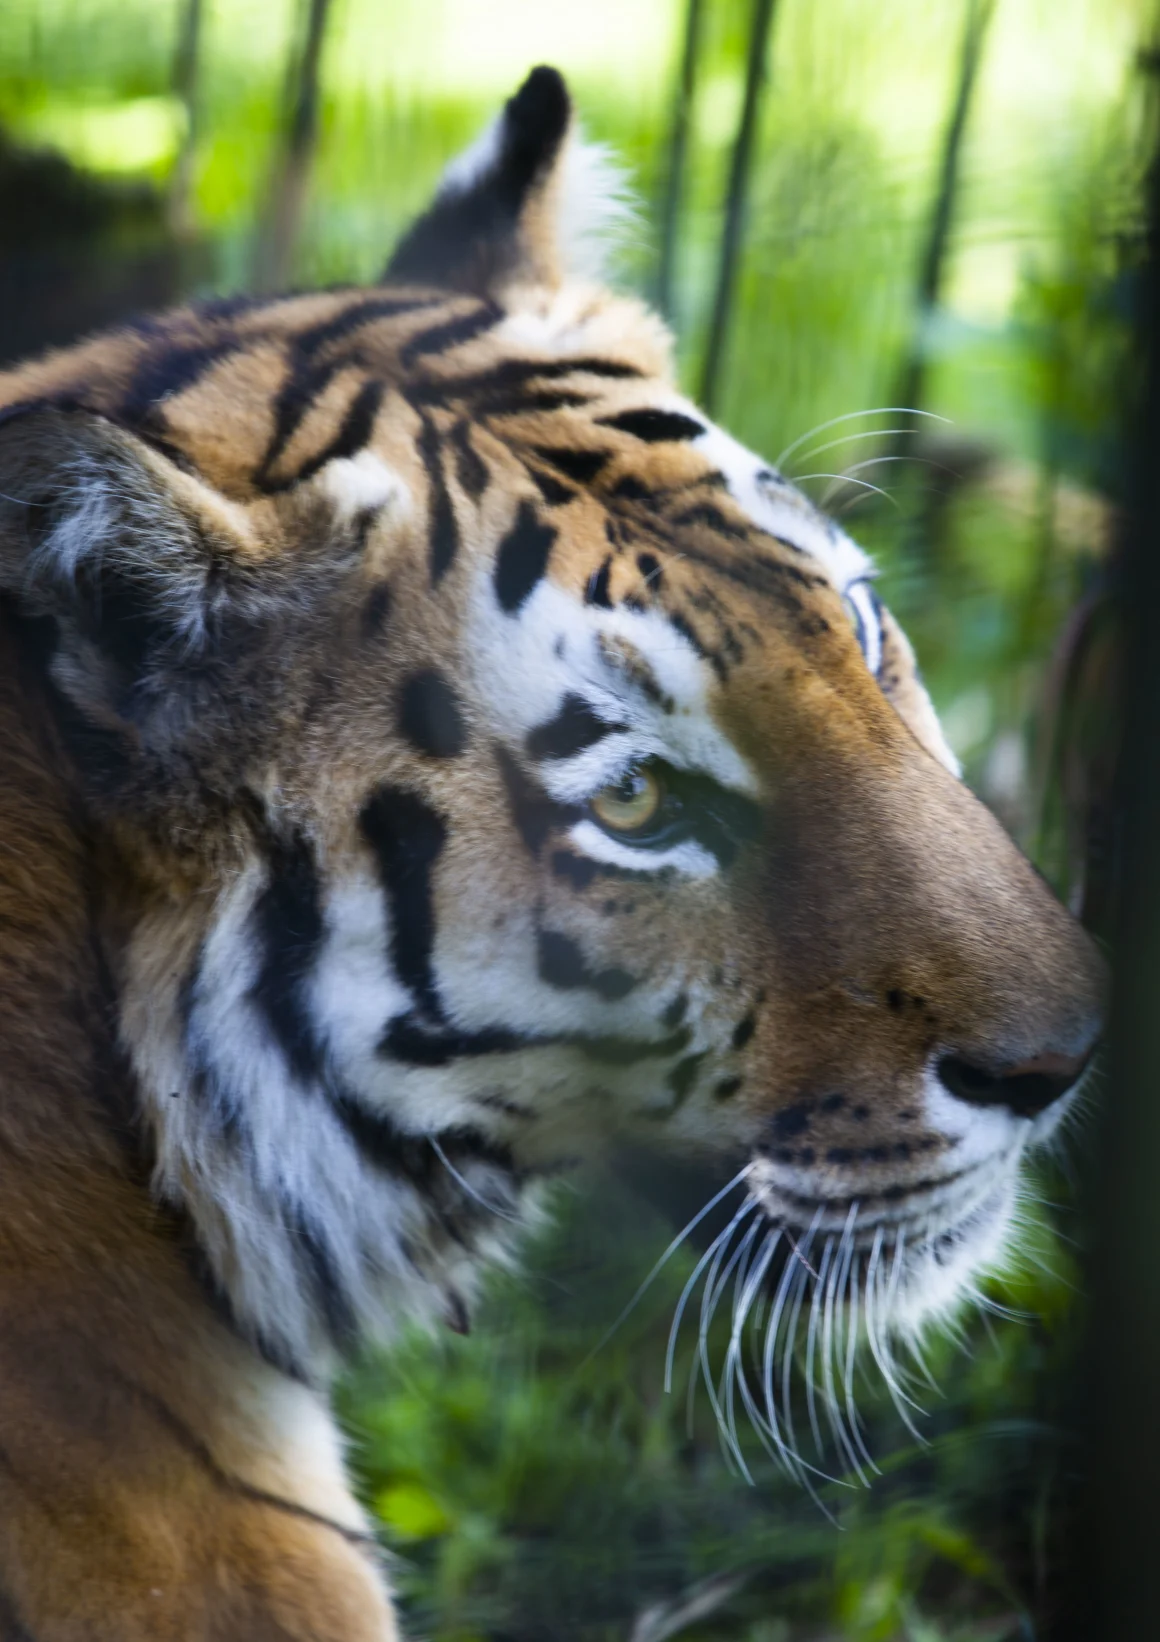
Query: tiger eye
[{"x": 631, "y": 803}]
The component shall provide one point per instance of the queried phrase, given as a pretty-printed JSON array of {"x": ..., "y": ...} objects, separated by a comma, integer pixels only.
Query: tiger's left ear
[{"x": 527, "y": 203}]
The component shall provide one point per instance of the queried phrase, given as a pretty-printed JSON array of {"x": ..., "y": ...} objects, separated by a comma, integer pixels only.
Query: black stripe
[
  {"x": 304, "y": 385},
  {"x": 443, "y": 530},
  {"x": 596, "y": 591},
  {"x": 288, "y": 919},
  {"x": 759, "y": 575},
  {"x": 407, "y": 837},
  {"x": 632, "y": 488},
  {"x": 577, "y": 870},
  {"x": 676, "y": 1011},
  {"x": 222, "y": 1104},
  {"x": 470, "y": 468},
  {"x": 535, "y": 814},
  {"x": 408, "y": 1157},
  {"x": 353, "y": 436},
  {"x": 574, "y": 728},
  {"x": 340, "y": 325},
  {"x": 165, "y": 374},
  {"x": 411, "y": 1157},
  {"x": 743, "y": 1031},
  {"x": 332, "y": 1298},
  {"x": 580, "y": 870},
  {"x": 553, "y": 490},
  {"x": 307, "y": 379},
  {"x": 529, "y": 401},
  {"x": 580, "y": 465},
  {"x": 683, "y": 1076},
  {"x": 512, "y": 374},
  {"x": 654, "y": 426},
  {"x": 704, "y": 513},
  {"x": 650, "y": 568},
  {"x": 376, "y": 611},
  {"x": 685, "y": 627},
  {"x": 405, "y": 1041},
  {"x": 430, "y": 717},
  {"x": 522, "y": 558},
  {"x": 451, "y": 334},
  {"x": 229, "y": 307},
  {"x": 561, "y": 964}
]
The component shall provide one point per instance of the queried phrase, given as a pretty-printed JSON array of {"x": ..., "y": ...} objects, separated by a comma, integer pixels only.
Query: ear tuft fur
[
  {"x": 124, "y": 553},
  {"x": 526, "y": 203}
]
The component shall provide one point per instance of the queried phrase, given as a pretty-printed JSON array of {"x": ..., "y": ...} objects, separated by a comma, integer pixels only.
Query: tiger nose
[{"x": 1026, "y": 1088}]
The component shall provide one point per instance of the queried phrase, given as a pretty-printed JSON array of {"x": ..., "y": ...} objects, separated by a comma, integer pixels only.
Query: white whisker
[
  {"x": 853, "y": 416},
  {"x": 492, "y": 1208},
  {"x": 690, "y": 1284},
  {"x": 877, "y": 1339},
  {"x": 865, "y": 484},
  {"x": 849, "y": 438},
  {"x": 665, "y": 1258},
  {"x": 710, "y": 1299},
  {"x": 811, "y": 1345}
]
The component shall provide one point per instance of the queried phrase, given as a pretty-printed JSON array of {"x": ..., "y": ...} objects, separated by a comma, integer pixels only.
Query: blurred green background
[{"x": 531, "y": 1482}]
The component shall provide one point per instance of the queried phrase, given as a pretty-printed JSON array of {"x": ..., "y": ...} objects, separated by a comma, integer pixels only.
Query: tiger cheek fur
[{"x": 435, "y": 753}]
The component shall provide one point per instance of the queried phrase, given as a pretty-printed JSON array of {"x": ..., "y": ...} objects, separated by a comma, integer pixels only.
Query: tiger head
[{"x": 488, "y": 762}]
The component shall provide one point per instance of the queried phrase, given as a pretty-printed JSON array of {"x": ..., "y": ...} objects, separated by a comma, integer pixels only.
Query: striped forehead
[
  {"x": 780, "y": 509},
  {"x": 589, "y": 687}
]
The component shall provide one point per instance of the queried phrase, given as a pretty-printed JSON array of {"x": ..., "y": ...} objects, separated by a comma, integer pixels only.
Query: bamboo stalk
[
  {"x": 912, "y": 379},
  {"x": 677, "y": 152},
  {"x": 736, "y": 198},
  {"x": 186, "y": 88},
  {"x": 288, "y": 193}
]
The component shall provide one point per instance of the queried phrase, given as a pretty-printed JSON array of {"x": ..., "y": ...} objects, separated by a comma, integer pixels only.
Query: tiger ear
[
  {"x": 128, "y": 565},
  {"x": 529, "y": 202}
]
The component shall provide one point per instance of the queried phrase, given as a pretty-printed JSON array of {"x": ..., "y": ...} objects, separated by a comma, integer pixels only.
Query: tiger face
[{"x": 488, "y": 763}]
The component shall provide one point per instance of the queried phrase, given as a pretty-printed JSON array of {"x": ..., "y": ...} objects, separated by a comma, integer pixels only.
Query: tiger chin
[{"x": 433, "y": 752}]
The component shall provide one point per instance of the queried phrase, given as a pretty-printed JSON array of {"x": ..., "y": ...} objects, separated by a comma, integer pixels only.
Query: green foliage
[{"x": 536, "y": 1482}]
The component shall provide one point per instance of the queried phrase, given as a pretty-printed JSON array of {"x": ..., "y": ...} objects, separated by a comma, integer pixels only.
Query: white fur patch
[
  {"x": 359, "y": 484},
  {"x": 527, "y": 663},
  {"x": 595, "y": 209},
  {"x": 781, "y": 509},
  {"x": 689, "y": 859}
]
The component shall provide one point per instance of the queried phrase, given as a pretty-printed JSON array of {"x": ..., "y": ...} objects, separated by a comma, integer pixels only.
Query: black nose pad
[{"x": 1026, "y": 1089}]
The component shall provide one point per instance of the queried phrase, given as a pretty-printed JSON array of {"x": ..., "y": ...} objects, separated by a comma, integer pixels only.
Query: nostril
[{"x": 1025, "y": 1089}]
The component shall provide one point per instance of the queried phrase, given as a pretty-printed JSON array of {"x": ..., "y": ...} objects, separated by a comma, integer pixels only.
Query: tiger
[{"x": 434, "y": 753}]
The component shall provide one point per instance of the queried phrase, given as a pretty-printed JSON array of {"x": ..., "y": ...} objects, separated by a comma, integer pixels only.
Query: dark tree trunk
[{"x": 1109, "y": 1567}]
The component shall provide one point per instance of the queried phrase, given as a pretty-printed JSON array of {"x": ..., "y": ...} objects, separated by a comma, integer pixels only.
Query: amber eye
[{"x": 630, "y": 804}]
